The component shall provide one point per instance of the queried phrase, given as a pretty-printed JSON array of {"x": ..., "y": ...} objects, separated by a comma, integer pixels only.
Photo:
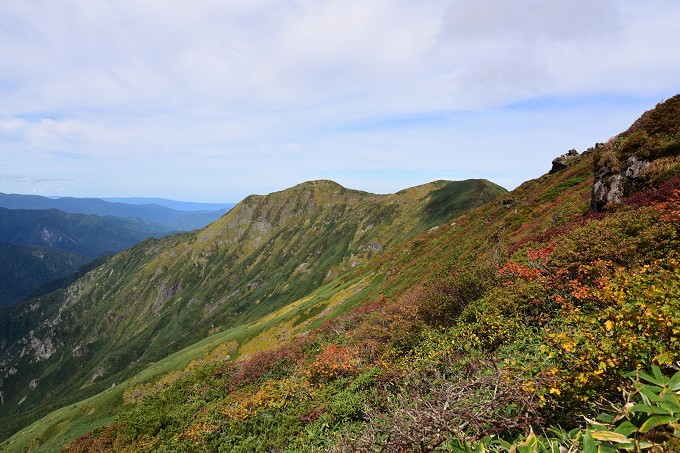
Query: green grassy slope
[
  {"x": 393, "y": 274},
  {"x": 161, "y": 295},
  {"x": 525, "y": 313},
  {"x": 394, "y": 271}
]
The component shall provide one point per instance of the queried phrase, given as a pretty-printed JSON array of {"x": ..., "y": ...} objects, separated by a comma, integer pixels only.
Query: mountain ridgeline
[
  {"x": 379, "y": 323},
  {"x": 87, "y": 235},
  {"x": 149, "y": 215},
  {"x": 39, "y": 246},
  {"x": 163, "y": 294}
]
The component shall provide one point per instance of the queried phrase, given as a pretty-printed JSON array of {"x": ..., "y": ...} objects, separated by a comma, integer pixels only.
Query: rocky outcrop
[
  {"x": 647, "y": 154},
  {"x": 611, "y": 186},
  {"x": 166, "y": 291},
  {"x": 41, "y": 349},
  {"x": 565, "y": 160},
  {"x": 613, "y": 180}
]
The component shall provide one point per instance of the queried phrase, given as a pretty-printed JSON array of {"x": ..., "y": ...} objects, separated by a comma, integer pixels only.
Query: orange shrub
[{"x": 333, "y": 362}]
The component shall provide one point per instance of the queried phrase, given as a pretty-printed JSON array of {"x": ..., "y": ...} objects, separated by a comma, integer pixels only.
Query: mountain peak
[
  {"x": 319, "y": 183},
  {"x": 268, "y": 252}
]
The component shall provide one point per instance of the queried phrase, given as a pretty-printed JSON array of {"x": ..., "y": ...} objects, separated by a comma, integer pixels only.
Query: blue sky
[{"x": 212, "y": 100}]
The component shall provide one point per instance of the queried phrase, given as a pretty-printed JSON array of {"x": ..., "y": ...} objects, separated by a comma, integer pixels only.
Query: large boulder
[{"x": 565, "y": 160}]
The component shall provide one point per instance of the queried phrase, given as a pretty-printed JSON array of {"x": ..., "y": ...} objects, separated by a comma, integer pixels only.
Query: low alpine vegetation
[{"x": 568, "y": 344}]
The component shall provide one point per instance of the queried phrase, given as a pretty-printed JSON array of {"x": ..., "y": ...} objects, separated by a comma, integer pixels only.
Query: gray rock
[
  {"x": 636, "y": 168},
  {"x": 564, "y": 161},
  {"x": 611, "y": 186},
  {"x": 374, "y": 247}
]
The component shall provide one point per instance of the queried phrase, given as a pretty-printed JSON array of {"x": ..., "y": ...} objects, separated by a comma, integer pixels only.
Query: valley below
[{"x": 450, "y": 316}]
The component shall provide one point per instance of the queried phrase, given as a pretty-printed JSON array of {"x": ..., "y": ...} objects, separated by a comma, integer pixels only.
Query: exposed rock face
[
  {"x": 611, "y": 186},
  {"x": 648, "y": 153},
  {"x": 166, "y": 291},
  {"x": 79, "y": 351},
  {"x": 637, "y": 167},
  {"x": 607, "y": 188},
  {"x": 374, "y": 247},
  {"x": 42, "y": 349},
  {"x": 565, "y": 160}
]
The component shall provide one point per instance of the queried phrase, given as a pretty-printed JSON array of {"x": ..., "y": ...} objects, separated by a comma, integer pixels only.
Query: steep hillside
[
  {"x": 25, "y": 268},
  {"x": 509, "y": 328},
  {"x": 163, "y": 294},
  {"x": 148, "y": 215},
  {"x": 87, "y": 235},
  {"x": 647, "y": 153},
  {"x": 39, "y": 246}
]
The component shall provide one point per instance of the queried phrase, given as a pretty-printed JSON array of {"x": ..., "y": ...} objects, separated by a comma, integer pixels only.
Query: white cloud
[{"x": 189, "y": 88}]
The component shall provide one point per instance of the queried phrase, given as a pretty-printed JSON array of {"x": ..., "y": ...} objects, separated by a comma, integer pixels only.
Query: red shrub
[
  {"x": 250, "y": 370},
  {"x": 554, "y": 232},
  {"x": 666, "y": 192}
]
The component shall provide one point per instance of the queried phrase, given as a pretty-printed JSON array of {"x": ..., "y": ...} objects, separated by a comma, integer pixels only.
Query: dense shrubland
[
  {"x": 533, "y": 349},
  {"x": 166, "y": 295}
]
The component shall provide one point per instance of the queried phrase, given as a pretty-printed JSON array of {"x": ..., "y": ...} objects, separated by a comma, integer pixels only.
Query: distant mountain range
[
  {"x": 43, "y": 239},
  {"x": 88, "y": 235},
  {"x": 38, "y": 246},
  {"x": 173, "y": 204},
  {"x": 186, "y": 216},
  {"x": 164, "y": 294},
  {"x": 451, "y": 316}
]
